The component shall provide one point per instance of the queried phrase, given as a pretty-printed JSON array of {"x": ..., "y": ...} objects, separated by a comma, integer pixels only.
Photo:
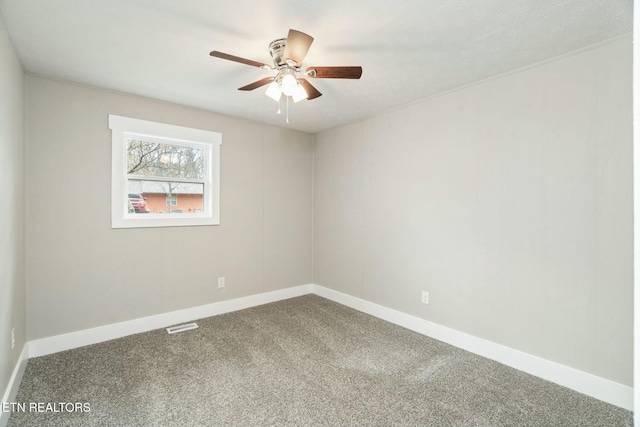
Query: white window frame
[{"x": 123, "y": 127}]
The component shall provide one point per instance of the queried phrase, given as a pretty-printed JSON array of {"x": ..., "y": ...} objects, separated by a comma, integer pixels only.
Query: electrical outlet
[
  {"x": 220, "y": 282},
  {"x": 425, "y": 297},
  {"x": 13, "y": 338}
]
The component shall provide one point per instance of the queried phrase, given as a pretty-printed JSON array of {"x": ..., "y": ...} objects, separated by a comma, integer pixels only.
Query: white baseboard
[
  {"x": 57, "y": 343},
  {"x": 591, "y": 385},
  {"x": 582, "y": 382},
  {"x": 14, "y": 383}
]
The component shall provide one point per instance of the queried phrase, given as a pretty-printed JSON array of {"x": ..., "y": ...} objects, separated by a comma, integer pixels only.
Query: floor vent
[{"x": 181, "y": 328}]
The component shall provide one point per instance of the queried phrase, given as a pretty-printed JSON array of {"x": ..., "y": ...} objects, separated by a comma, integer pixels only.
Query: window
[{"x": 163, "y": 175}]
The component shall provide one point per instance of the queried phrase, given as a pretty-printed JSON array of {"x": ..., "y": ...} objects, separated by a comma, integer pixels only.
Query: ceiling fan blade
[
  {"x": 312, "y": 92},
  {"x": 257, "y": 84},
  {"x": 297, "y": 46},
  {"x": 335, "y": 72},
  {"x": 238, "y": 59}
]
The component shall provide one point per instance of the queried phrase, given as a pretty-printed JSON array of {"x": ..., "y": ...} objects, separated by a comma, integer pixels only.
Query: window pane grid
[{"x": 164, "y": 179}]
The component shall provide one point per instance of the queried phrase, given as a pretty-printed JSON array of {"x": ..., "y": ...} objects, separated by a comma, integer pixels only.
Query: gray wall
[
  {"x": 12, "y": 258},
  {"x": 83, "y": 274},
  {"x": 510, "y": 201}
]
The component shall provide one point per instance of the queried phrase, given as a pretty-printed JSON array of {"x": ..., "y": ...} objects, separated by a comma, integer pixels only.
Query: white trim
[
  {"x": 57, "y": 343},
  {"x": 582, "y": 382},
  {"x": 14, "y": 383},
  {"x": 209, "y": 141}
]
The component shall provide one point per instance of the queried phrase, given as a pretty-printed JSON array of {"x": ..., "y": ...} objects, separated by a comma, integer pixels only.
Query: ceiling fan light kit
[{"x": 287, "y": 55}]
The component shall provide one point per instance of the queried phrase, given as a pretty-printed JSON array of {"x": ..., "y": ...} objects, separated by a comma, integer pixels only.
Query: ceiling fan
[{"x": 288, "y": 55}]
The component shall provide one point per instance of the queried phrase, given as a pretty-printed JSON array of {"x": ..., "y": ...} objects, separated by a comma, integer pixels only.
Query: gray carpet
[{"x": 301, "y": 362}]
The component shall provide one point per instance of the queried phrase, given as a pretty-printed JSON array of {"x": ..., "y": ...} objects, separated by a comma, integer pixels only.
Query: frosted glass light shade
[
  {"x": 289, "y": 84},
  {"x": 299, "y": 94},
  {"x": 274, "y": 92}
]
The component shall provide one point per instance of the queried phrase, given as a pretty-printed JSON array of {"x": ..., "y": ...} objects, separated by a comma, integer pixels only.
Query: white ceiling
[{"x": 409, "y": 49}]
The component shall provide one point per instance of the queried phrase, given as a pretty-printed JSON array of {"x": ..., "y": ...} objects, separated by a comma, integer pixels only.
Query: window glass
[{"x": 163, "y": 159}]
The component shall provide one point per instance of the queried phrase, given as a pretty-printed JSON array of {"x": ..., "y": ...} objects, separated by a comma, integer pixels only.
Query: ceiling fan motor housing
[{"x": 276, "y": 49}]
